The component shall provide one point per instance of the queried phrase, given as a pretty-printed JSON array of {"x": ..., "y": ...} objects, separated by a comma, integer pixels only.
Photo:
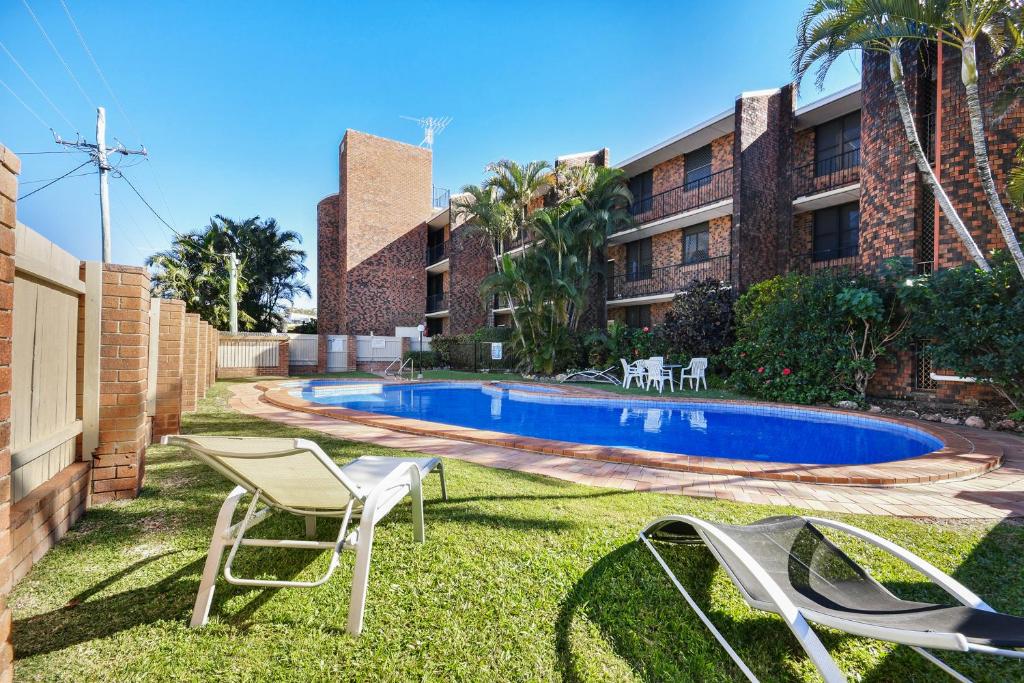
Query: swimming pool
[{"x": 715, "y": 430}]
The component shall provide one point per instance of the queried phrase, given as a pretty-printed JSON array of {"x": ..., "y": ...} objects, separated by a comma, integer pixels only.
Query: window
[
  {"x": 698, "y": 167},
  {"x": 837, "y": 144},
  {"x": 695, "y": 244},
  {"x": 638, "y": 260},
  {"x": 435, "y": 326},
  {"x": 642, "y": 187},
  {"x": 836, "y": 232},
  {"x": 435, "y": 284},
  {"x": 638, "y": 316}
]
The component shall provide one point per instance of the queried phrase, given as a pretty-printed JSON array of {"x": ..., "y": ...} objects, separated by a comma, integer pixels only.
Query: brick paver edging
[{"x": 958, "y": 459}]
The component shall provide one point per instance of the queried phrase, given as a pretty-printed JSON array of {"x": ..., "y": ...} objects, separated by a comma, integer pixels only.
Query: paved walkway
[{"x": 994, "y": 495}]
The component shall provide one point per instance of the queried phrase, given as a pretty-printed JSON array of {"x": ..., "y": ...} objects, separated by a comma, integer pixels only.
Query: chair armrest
[
  {"x": 376, "y": 503},
  {"x": 939, "y": 578}
]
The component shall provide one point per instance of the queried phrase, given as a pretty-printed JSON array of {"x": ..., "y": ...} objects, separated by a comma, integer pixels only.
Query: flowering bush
[
  {"x": 700, "y": 322},
  {"x": 812, "y": 338}
]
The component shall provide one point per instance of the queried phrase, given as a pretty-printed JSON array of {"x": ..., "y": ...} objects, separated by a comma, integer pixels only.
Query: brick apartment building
[{"x": 760, "y": 189}]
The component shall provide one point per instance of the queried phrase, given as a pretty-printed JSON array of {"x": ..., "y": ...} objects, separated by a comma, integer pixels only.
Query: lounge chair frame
[
  {"x": 797, "y": 618},
  {"x": 593, "y": 375},
  {"x": 370, "y": 504}
]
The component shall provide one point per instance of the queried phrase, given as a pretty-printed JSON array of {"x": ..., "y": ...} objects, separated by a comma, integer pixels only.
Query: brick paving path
[{"x": 994, "y": 495}]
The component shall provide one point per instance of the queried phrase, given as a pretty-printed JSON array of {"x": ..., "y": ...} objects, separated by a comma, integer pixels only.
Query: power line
[
  {"x": 29, "y": 109},
  {"x": 121, "y": 175},
  {"x": 59, "y": 55},
  {"x": 24, "y": 196},
  {"x": 55, "y": 151},
  {"x": 99, "y": 71},
  {"x": 36, "y": 85},
  {"x": 34, "y": 182}
]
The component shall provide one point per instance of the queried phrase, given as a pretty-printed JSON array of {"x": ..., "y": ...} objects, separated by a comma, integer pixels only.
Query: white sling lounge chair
[
  {"x": 787, "y": 566},
  {"x": 296, "y": 476},
  {"x": 593, "y": 375}
]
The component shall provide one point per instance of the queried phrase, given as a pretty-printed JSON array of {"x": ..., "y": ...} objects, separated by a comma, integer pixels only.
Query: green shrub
[
  {"x": 423, "y": 359},
  {"x": 700, "y": 322},
  {"x": 813, "y": 338},
  {"x": 976, "y": 323}
]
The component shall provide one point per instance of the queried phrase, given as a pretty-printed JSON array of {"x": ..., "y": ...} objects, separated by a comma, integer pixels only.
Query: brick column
[
  {"x": 169, "y": 368},
  {"x": 190, "y": 363},
  {"x": 118, "y": 462},
  {"x": 282, "y": 358},
  {"x": 10, "y": 166},
  {"x": 321, "y": 353},
  {"x": 202, "y": 359},
  {"x": 351, "y": 352}
]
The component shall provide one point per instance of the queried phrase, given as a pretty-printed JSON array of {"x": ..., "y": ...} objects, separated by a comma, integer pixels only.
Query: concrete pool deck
[{"x": 994, "y": 494}]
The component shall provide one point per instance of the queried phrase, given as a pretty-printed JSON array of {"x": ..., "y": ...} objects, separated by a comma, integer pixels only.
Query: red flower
[
  {"x": 743, "y": 354},
  {"x": 760, "y": 370},
  {"x": 647, "y": 329},
  {"x": 786, "y": 371}
]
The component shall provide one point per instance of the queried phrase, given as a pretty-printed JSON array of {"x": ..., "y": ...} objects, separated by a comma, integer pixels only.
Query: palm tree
[
  {"x": 832, "y": 28},
  {"x": 194, "y": 269},
  {"x": 485, "y": 213},
  {"x": 960, "y": 24},
  {"x": 518, "y": 185}
]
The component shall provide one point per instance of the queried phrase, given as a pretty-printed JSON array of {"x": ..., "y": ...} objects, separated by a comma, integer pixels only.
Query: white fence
[
  {"x": 302, "y": 349},
  {"x": 337, "y": 353},
  {"x": 247, "y": 353},
  {"x": 417, "y": 345},
  {"x": 371, "y": 348}
]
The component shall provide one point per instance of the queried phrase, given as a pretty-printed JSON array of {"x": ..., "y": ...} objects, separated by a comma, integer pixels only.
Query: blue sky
[{"x": 242, "y": 104}]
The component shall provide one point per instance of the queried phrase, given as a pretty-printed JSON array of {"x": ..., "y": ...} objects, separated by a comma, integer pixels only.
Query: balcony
[
  {"x": 650, "y": 284},
  {"x": 440, "y": 197},
  {"x": 686, "y": 197},
  {"x": 500, "y": 304},
  {"x": 512, "y": 244},
  {"x": 437, "y": 253},
  {"x": 827, "y": 182},
  {"x": 847, "y": 258},
  {"x": 437, "y": 303}
]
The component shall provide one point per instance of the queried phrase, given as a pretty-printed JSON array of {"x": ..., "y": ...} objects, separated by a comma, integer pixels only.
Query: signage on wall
[
  {"x": 496, "y": 350},
  {"x": 376, "y": 343}
]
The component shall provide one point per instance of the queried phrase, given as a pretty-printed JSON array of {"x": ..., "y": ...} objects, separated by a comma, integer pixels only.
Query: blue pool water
[{"x": 703, "y": 429}]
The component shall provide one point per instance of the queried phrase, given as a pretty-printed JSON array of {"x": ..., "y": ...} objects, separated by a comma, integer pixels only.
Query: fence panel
[
  {"x": 302, "y": 349},
  {"x": 44, "y": 420},
  {"x": 477, "y": 356},
  {"x": 372, "y": 348},
  {"x": 248, "y": 353},
  {"x": 337, "y": 353}
]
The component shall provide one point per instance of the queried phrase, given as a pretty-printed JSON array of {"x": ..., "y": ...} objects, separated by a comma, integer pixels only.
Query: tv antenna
[{"x": 431, "y": 127}]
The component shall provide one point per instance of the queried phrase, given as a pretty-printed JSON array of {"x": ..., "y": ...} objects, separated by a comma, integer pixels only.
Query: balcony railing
[
  {"x": 437, "y": 252},
  {"x": 512, "y": 243},
  {"x": 686, "y": 197},
  {"x": 437, "y": 302},
  {"x": 440, "y": 197},
  {"x": 847, "y": 258},
  {"x": 827, "y": 174},
  {"x": 648, "y": 281},
  {"x": 500, "y": 302}
]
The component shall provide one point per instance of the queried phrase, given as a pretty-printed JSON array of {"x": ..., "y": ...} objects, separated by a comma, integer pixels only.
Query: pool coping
[{"x": 959, "y": 458}]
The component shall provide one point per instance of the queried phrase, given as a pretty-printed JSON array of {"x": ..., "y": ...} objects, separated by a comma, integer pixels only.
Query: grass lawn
[{"x": 522, "y": 578}]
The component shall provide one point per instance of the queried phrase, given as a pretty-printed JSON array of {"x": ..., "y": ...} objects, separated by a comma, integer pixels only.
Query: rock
[
  {"x": 1006, "y": 425},
  {"x": 949, "y": 420},
  {"x": 847, "y": 405},
  {"x": 874, "y": 409},
  {"x": 975, "y": 421},
  {"x": 931, "y": 417},
  {"x": 560, "y": 377},
  {"x": 911, "y": 413}
]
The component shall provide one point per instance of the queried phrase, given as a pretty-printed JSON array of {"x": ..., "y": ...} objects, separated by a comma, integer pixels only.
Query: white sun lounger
[
  {"x": 593, "y": 375},
  {"x": 296, "y": 476}
]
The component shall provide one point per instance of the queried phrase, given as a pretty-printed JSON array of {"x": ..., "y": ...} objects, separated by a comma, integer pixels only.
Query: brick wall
[
  {"x": 890, "y": 191},
  {"x": 10, "y": 167},
  {"x": 118, "y": 462},
  {"x": 469, "y": 263},
  {"x": 202, "y": 359},
  {"x": 169, "y": 375},
  {"x": 958, "y": 174},
  {"x": 330, "y": 275},
  {"x": 386, "y": 187},
  {"x": 190, "y": 364},
  {"x": 762, "y": 188}
]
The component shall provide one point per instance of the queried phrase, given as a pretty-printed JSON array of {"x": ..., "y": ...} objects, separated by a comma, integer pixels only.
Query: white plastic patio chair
[
  {"x": 296, "y": 476},
  {"x": 657, "y": 373},
  {"x": 695, "y": 372},
  {"x": 632, "y": 371}
]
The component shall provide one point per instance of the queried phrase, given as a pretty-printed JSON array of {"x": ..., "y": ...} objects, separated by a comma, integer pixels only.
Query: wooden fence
[{"x": 49, "y": 291}]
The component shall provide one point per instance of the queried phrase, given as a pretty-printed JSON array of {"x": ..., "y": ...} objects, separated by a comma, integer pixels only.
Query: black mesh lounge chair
[{"x": 786, "y": 566}]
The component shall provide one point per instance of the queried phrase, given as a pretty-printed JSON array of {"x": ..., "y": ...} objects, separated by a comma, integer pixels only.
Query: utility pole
[
  {"x": 99, "y": 152},
  {"x": 233, "y": 291}
]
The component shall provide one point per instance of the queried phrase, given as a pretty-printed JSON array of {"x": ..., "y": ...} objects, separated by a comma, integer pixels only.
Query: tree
[
  {"x": 831, "y": 28},
  {"x": 271, "y": 269}
]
